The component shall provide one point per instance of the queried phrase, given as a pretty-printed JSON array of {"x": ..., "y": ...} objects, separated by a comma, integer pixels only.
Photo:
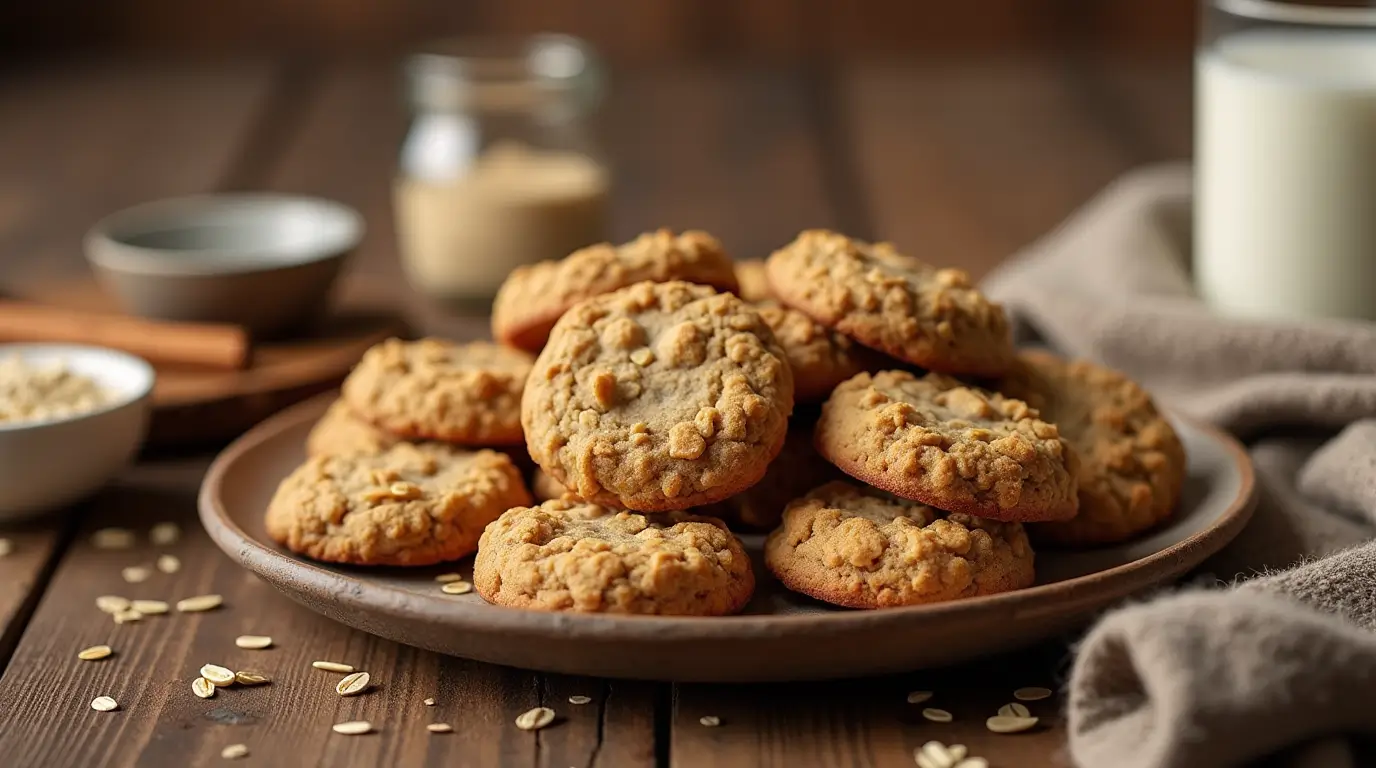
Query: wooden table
[{"x": 960, "y": 161}]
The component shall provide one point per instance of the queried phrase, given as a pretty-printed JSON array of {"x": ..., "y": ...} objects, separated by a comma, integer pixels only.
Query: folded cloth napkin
[{"x": 1278, "y": 669}]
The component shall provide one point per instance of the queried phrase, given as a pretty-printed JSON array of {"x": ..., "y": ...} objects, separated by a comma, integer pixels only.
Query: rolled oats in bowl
[{"x": 47, "y": 390}]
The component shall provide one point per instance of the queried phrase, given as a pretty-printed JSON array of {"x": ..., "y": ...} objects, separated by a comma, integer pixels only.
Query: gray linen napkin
[{"x": 1281, "y": 668}]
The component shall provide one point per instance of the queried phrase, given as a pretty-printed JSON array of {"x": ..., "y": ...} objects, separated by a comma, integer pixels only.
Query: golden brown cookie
[
  {"x": 797, "y": 469},
  {"x": 534, "y": 297},
  {"x": 935, "y": 440},
  {"x": 752, "y": 284},
  {"x": 468, "y": 394},
  {"x": 340, "y": 433},
  {"x": 863, "y": 548},
  {"x": 931, "y": 317},
  {"x": 820, "y": 358},
  {"x": 1132, "y": 464},
  {"x": 409, "y": 505},
  {"x": 659, "y": 396},
  {"x": 569, "y": 555}
]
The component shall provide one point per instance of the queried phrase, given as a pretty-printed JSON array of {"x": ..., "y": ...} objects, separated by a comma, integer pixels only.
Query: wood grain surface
[{"x": 962, "y": 161}]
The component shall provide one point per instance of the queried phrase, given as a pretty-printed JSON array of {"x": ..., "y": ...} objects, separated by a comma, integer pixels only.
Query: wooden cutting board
[{"x": 194, "y": 405}]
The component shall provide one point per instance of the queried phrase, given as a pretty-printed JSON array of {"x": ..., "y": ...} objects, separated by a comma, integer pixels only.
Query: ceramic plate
[{"x": 781, "y": 636}]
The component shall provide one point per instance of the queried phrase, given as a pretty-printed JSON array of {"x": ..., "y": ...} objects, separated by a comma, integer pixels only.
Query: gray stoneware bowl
[{"x": 263, "y": 261}]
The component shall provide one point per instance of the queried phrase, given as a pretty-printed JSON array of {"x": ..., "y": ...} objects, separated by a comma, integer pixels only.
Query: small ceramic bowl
[
  {"x": 49, "y": 463},
  {"x": 263, "y": 261}
]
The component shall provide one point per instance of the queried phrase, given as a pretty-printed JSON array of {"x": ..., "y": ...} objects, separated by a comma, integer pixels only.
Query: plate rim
[{"x": 362, "y": 594}]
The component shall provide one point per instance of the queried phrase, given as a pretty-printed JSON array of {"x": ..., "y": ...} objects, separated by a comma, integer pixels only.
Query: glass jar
[
  {"x": 498, "y": 167},
  {"x": 1285, "y": 145}
]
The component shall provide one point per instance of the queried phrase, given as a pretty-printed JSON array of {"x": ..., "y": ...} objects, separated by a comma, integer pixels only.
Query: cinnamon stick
[{"x": 203, "y": 344}]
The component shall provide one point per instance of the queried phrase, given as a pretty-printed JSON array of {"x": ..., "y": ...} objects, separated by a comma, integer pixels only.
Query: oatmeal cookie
[
  {"x": 1132, "y": 464},
  {"x": 340, "y": 433},
  {"x": 934, "y": 318},
  {"x": 753, "y": 285},
  {"x": 935, "y": 440},
  {"x": 468, "y": 394},
  {"x": 409, "y": 505},
  {"x": 569, "y": 555},
  {"x": 797, "y": 469},
  {"x": 863, "y": 548},
  {"x": 819, "y": 358},
  {"x": 659, "y": 396},
  {"x": 535, "y": 296}
]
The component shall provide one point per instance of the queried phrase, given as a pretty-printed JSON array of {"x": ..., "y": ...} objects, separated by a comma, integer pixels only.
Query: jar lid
[{"x": 504, "y": 75}]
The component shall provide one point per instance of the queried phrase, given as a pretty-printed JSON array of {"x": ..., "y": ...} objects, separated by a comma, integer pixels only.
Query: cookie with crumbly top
[
  {"x": 659, "y": 396},
  {"x": 408, "y": 505},
  {"x": 340, "y": 433},
  {"x": 820, "y": 358},
  {"x": 899, "y": 305},
  {"x": 467, "y": 394},
  {"x": 863, "y": 548},
  {"x": 1132, "y": 463},
  {"x": 960, "y": 448},
  {"x": 570, "y": 555},
  {"x": 535, "y": 296}
]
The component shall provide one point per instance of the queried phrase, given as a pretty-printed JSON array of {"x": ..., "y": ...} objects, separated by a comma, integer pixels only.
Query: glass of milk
[{"x": 1285, "y": 143}]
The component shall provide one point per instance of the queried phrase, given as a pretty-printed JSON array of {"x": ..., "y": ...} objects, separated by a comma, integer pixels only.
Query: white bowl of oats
[{"x": 71, "y": 417}]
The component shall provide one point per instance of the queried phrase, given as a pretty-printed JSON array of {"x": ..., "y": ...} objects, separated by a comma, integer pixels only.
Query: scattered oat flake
[
  {"x": 136, "y": 574},
  {"x": 150, "y": 607},
  {"x": 1032, "y": 693},
  {"x": 332, "y": 666},
  {"x": 234, "y": 751},
  {"x": 353, "y": 727},
  {"x": 104, "y": 704},
  {"x": 253, "y": 642},
  {"x": 579, "y": 699},
  {"x": 199, "y": 603},
  {"x": 711, "y": 721},
  {"x": 439, "y": 728},
  {"x": 94, "y": 653},
  {"x": 113, "y": 538},
  {"x": 244, "y": 677},
  {"x": 112, "y": 603},
  {"x": 203, "y": 688},
  {"x": 535, "y": 719},
  {"x": 218, "y": 675},
  {"x": 937, "y": 715},
  {"x": 457, "y": 588},
  {"x": 917, "y": 697},
  {"x": 445, "y": 578},
  {"x": 169, "y": 563},
  {"x": 1000, "y": 724},
  {"x": 163, "y": 534},
  {"x": 972, "y": 762},
  {"x": 429, "y": 702},
  {"x": 1014, "y": 710},
  {"x": 934, "y": 754},
  {"x": 353, "y": 684},
  {"x": 128, "y": 615},
  {"x": 6, "y": 547}
]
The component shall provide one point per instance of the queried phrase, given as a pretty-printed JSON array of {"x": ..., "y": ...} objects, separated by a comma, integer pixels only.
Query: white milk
[{"x": 1286, "y": 174}]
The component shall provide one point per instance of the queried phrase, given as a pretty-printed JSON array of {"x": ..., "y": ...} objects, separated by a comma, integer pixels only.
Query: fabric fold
[{"x": 1279, "y": 667}]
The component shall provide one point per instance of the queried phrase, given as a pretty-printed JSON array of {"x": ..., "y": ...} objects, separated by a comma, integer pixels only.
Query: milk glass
[{"x": 1285, "y": 142}]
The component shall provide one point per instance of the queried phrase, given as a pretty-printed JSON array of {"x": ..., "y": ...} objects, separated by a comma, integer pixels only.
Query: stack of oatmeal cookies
[{"x": 865, "y": 408}]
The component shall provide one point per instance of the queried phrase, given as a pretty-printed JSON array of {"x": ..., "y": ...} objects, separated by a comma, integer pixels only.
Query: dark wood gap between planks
[{"x": 19, "y": 620}]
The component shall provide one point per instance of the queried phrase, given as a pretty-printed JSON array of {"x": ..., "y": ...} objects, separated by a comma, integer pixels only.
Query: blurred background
[
  {"x": 627, "y": 31},
  {"x": 960, "y": 130}
]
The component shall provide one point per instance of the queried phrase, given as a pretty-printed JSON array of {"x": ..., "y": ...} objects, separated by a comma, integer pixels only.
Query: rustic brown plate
[{"x": 782, "y": 636}]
